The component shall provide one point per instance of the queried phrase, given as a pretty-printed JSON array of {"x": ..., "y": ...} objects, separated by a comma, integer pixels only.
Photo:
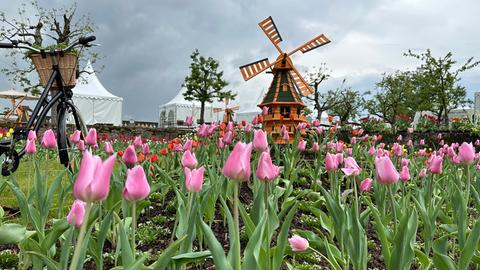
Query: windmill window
[
  {"x": 285, "y": 111},
  {"x": 284, "y": 87}
]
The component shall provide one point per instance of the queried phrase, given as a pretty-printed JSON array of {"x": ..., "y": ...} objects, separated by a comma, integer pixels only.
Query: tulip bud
[
  {"x": 189, "y": 160},
  {"x": 385, "y": 171},
  {"x": 108, "y": 148},
  {"x": 298, "y": 243},
  {"x": 194, "y": 179},
  {"x": 466, "y": 153},
  {"x": 130, "y": 156},
  {"x": 77, "y": 213},
  {"x": 237, "y": 166},
  {"x": 260, "y": 142},
  {"x": 48, "y": 140},
  {"x": 91, "y": 138},
  {"x": 366, "y": 185},
  {"x": 266, "y": 171},
  {"x": 30, "y": 148},
  {"x": 136, "y": 186}
]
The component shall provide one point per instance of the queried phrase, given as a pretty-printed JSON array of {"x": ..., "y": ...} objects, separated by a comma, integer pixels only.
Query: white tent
[
  {"x": 174, "y": 112},
  {"x": 95, "y": 103}
]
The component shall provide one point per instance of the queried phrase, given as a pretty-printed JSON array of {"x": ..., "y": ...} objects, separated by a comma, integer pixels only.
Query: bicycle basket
[{"x": 67, "y": 64}]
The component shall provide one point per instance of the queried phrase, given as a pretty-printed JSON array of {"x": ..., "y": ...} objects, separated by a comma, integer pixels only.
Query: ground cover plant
[{"x": 225, "y": 197}]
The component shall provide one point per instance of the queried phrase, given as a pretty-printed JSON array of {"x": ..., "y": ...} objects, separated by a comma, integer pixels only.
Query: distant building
[
  {"x": 462, "y": 113},
  {"x": 477, "y": 106}
]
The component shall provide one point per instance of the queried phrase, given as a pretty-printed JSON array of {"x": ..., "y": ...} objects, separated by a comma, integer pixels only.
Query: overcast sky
[{"x": 147, "y": 43}]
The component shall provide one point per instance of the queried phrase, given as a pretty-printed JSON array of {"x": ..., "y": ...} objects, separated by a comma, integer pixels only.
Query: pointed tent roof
[{"x": 90, "y": 86}]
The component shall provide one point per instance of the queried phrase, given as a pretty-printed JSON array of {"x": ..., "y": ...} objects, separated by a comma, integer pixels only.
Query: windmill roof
[{"x": 282, "y": 89}]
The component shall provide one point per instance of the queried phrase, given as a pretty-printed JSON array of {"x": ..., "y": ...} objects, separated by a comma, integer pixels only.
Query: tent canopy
[{"x": 95, "y": 103}]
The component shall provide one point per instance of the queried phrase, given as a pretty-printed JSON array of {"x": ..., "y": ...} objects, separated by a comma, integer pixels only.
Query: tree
[
  {"x": 55, "y": 26},
  {"x": 394, "y": 97},
  {"x": 437, "y": 82},
  {"x": 321, "y": 102},
  {"x": 205, "y": 82},
  {"x": 348, "y": 108}
]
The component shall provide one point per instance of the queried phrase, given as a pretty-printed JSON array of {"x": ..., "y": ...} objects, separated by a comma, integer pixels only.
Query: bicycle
[{"x": 65, "y": 107}]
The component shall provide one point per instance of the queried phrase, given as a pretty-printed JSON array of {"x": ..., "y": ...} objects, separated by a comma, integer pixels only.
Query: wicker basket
[{"x": 67, "y": 64}]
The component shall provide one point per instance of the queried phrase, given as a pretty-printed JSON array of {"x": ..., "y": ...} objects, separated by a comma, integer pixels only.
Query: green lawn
[{"x": 25, "y": 179}]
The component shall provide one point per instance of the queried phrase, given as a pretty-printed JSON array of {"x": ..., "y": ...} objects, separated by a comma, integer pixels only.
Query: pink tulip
[
  {"x": 211, "y": 128},
  {"x": 320, "y": 130},
  {"x": 255, "y": 120},
  {"x": 91, "y": 138},
  {"x": 77, "y": 213},
  {"x": 202, "y": 131},
  {"x": 48, "y": 140},
  {"x": 339, "y": 147},
  {"x": 137, "y": 142},
  {"x": 385, "y": 171},
  {"x": 353, "y": 140},
  {"x": 456, "y": 160},
  {"x": 405, "y": 174},
  {"x": 189, "y": 121},
  {"x": 265, "y": 110},
  {"x": 136, "y": 186},
  {"x": 189, "y": 160},
  {"x": 129, "y": 156},
  {"x": 228, "y": 137},
  {"x": 400, "y": 138},
  {"x": 248, "y": 128},
  {"x": 194, "y": 179},
  {"x": 81, "y": 145},
  {"x": 351, "y": 167},
  {"x": 237, "y": 166},
  {"x": 316, "y": 123},
  {"x": 371, "y": 151},
  {"x": 466, "y": 153},
  {"x": 405, "y": 162},
  {"x": 409, "y": 143},
  {"x": 220, "y": 143},
  {"x": 93, "y": 179},
  {"x": 76, "y": 136},
  {"x": 442, "y": 142},
  {"x": 108, "y": 148},
  {"x": 423, "y": 173},
  {"x": 331, "y": 162},
  {"x": 30, "y": 148},
  {"x": 177, "y": 148},
  {"x": 366, "y": 185},
  {"x": 146, "y": 149},
  {"x": 477, "y": 142},
  {"x": 260, "y": 142},
  {"x": 32, "y": 135},
  {"x": 286, "y": 136},
  {"x": 339, "y": 158},
  {"x": 410, "y": 130},
  {"x": 451, "y": 152},
  {"x": 302, "y": 146},
  {"x": 478, "y": 166},
  {"x": 435, "y": 164},
  {"x": 266, "y": 171},
  {"x": 298, "y": 243},
  {"x": 422, "y": 142},
  {"x": 397, "y": 149},
  {"x": 188, "y": 145},
  {"x": 349, "y": 151},
  {"x": 315, "y": 147},
  {"x": 230, "y": 126}
]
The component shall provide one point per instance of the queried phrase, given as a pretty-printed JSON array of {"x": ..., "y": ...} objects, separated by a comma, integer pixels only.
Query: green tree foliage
[
  {"x": 205, "y": 83},
  {"x": 437, "y": 83},
  {"x": 349, "y": 105},
  {"x": 394, "y": 97},
  {"x": 55, "y": 27},
  {"x": 321, "y": 102}
]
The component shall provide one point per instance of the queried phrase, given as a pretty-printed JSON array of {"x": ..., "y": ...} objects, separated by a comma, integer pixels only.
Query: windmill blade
[
  {"x": 312, "y": 44},
  {"x": 251, "y": 70},
  {"x": 302, "y": 85},
  {"x": 216, "y": 110},
  {"x": 234, "y": 108},
  {"x": 270, "y": 29}
]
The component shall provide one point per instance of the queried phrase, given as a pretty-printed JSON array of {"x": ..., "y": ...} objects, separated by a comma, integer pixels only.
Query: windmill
[
  {"x": 283, "y": 96},
  {"x": 228, "y": 112}
]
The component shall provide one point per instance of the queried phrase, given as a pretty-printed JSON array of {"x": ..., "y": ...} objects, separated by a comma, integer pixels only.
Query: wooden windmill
[
  {"x": 228, "y": 112},
  {"x": 283, "y": 96}
]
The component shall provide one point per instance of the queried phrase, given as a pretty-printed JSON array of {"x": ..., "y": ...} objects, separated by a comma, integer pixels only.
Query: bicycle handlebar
[{"x": 15, "y": 44}]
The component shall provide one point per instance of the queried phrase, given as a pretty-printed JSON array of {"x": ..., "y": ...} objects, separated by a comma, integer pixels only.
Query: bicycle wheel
[{"x": 69, "y": 120}]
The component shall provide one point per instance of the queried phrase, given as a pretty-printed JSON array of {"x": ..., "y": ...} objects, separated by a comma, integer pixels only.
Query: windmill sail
[
  {"x": 270, "y": 29},
  {"x": 251, "y": 70}
]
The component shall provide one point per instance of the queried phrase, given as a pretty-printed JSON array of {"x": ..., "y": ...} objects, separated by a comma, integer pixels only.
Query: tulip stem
[
  {"x": 237, "y": 258},
  {"x": 266, "y": 195},
  {"x": 134, "y": 227},
  {"x": 392, "y": 201},
  {"x": 81, "y": 236}
]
